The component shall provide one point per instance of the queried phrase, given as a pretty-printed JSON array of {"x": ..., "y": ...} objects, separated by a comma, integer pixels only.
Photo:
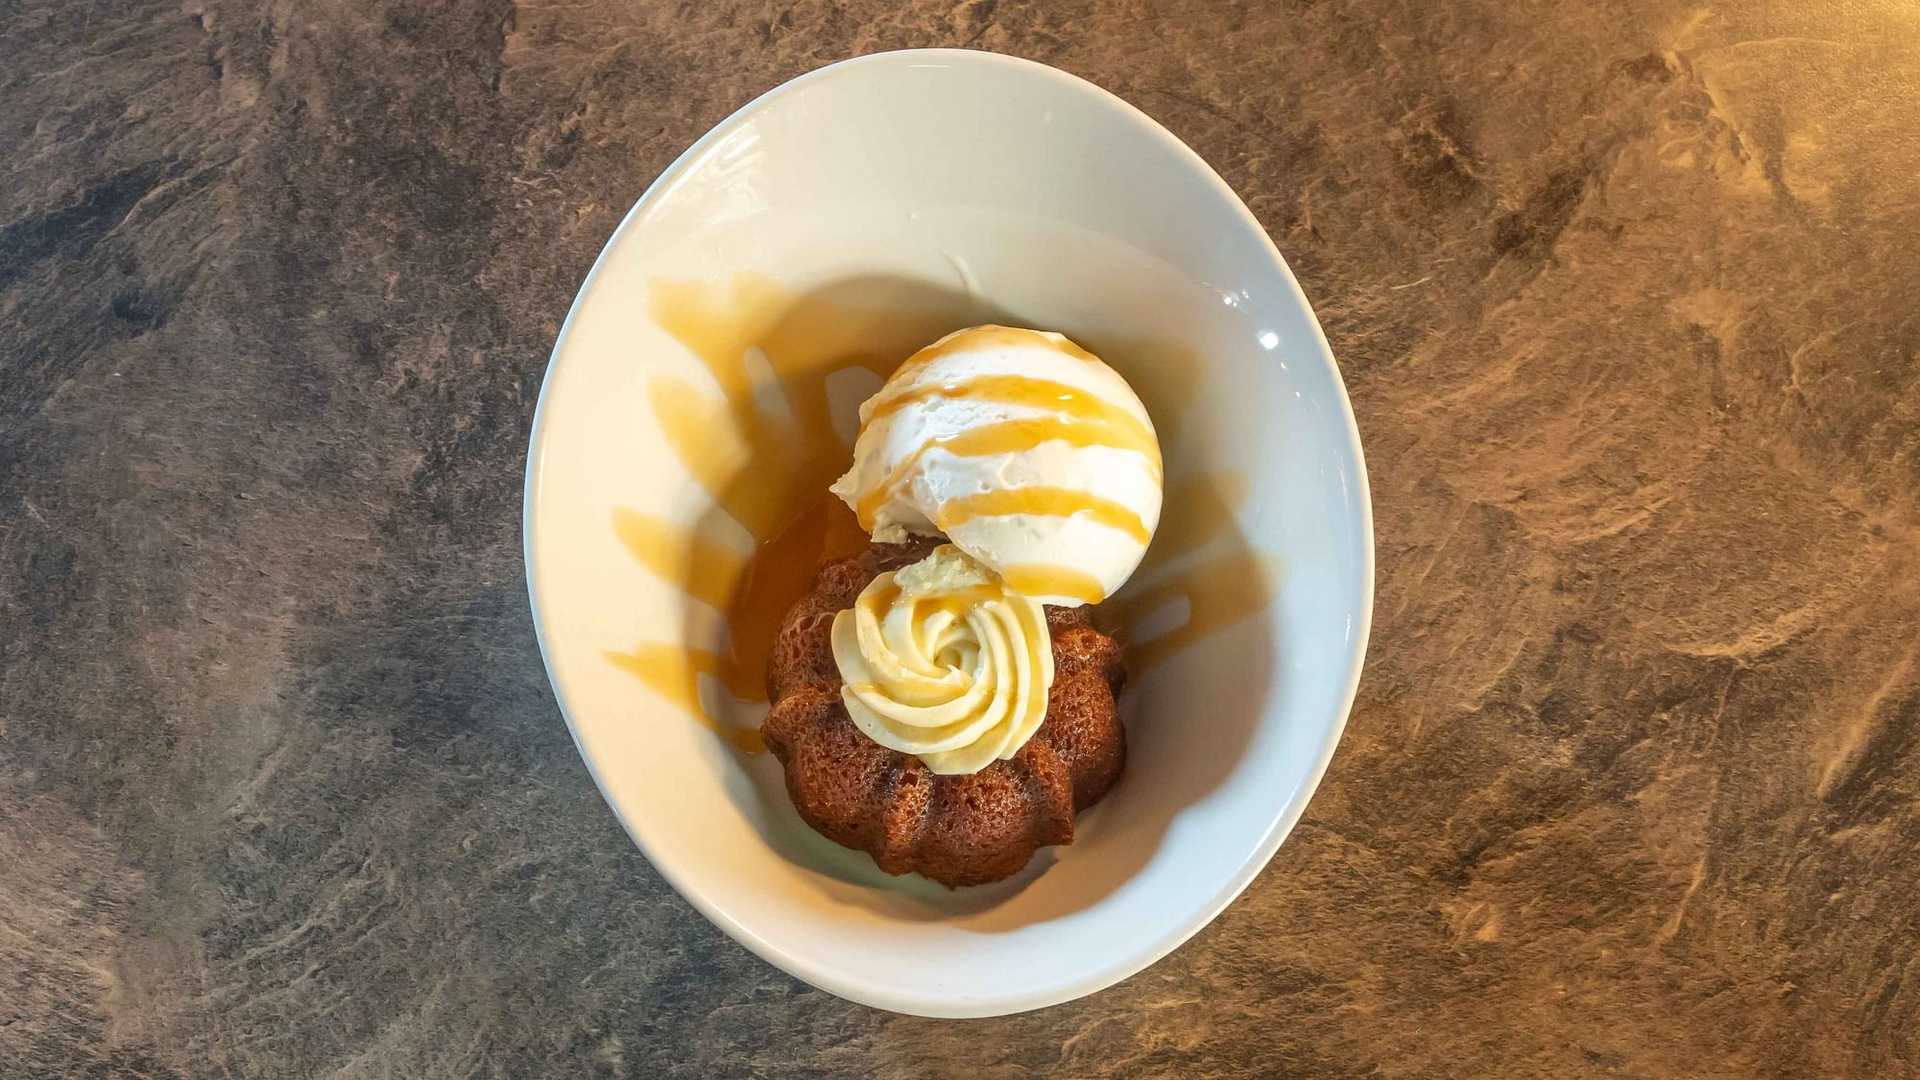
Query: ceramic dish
[{"x": 846, "y": 218}]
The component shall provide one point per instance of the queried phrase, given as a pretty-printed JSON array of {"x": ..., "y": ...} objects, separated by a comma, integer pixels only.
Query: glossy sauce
[
  {"x": 777, "y": 576},
  {"x": 1039, "y": 500},
  {"x": 955, "y": 602},
  {"x": 1012, "y": 437},
  {"x": 960, "y": 602},
  {"x": 1062, "y": 400},
  {"x": 1037, "y": 580}
]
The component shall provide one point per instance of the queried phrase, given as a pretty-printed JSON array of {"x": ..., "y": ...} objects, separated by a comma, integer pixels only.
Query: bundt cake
[{"x": 955, "y": 829}]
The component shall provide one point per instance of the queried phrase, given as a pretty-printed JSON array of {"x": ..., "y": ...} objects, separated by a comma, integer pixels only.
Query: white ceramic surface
[{"x": 965, "y": 187}]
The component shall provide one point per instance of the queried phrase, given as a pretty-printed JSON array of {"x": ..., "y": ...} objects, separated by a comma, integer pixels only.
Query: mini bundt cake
[{"x": 957, "y": 830}]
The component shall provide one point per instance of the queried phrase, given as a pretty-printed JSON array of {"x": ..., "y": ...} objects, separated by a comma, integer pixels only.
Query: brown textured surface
[
  {"x": 1625, "y": 293},
  {"x": 957, "y": 830}
]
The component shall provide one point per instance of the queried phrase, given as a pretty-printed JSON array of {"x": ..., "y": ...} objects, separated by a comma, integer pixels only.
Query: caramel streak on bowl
[
  {"x": 673, "y": 673},
  {"x": 706, "y": 568},
  {"x": 764, "y": 449}
]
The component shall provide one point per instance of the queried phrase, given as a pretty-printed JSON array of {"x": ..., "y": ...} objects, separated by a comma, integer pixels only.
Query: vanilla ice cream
[{"x": 1031, "y": 454}]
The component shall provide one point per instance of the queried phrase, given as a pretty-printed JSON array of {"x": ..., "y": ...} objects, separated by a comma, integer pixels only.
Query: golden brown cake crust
[{"x": 957, "y": 830}]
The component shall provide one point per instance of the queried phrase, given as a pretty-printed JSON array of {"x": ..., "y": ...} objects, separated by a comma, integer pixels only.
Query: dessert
[
  {"x": 942, "y": 700},
  {"x": 965, "y": 829}
]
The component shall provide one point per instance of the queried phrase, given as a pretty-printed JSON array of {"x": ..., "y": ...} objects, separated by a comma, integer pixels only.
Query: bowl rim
[{"x": 1282, "y": 825}]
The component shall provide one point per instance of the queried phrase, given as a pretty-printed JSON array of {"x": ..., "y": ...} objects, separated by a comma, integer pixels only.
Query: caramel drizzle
[
  {"x": 961, "y": 602},
  {"x": 1056, "y": 398},
  {"x": 958, "y": 602},
  {"x": 1049, "y": 501},
  {"x": 1077, "y": 417},
  {"x": 1007, "y": 437},
  {"x": 1043, "y": 580}
]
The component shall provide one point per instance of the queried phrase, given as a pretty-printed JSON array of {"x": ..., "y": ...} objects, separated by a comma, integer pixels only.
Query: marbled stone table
[{"x": 1628, "y": 298}]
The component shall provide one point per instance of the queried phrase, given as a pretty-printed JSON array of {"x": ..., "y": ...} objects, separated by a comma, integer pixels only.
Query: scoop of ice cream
[{"x": 1031, "y": 454}]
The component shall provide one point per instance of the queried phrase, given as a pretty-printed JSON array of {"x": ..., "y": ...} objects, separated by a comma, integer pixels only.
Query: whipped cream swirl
[{"x": 942, "y": 661}]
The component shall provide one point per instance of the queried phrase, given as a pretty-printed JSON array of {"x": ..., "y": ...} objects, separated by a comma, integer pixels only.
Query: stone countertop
[{"x": 1628, "y": 298}]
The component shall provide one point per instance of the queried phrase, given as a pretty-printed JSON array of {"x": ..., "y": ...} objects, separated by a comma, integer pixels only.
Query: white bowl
[{"x": 876, "y": 204}]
